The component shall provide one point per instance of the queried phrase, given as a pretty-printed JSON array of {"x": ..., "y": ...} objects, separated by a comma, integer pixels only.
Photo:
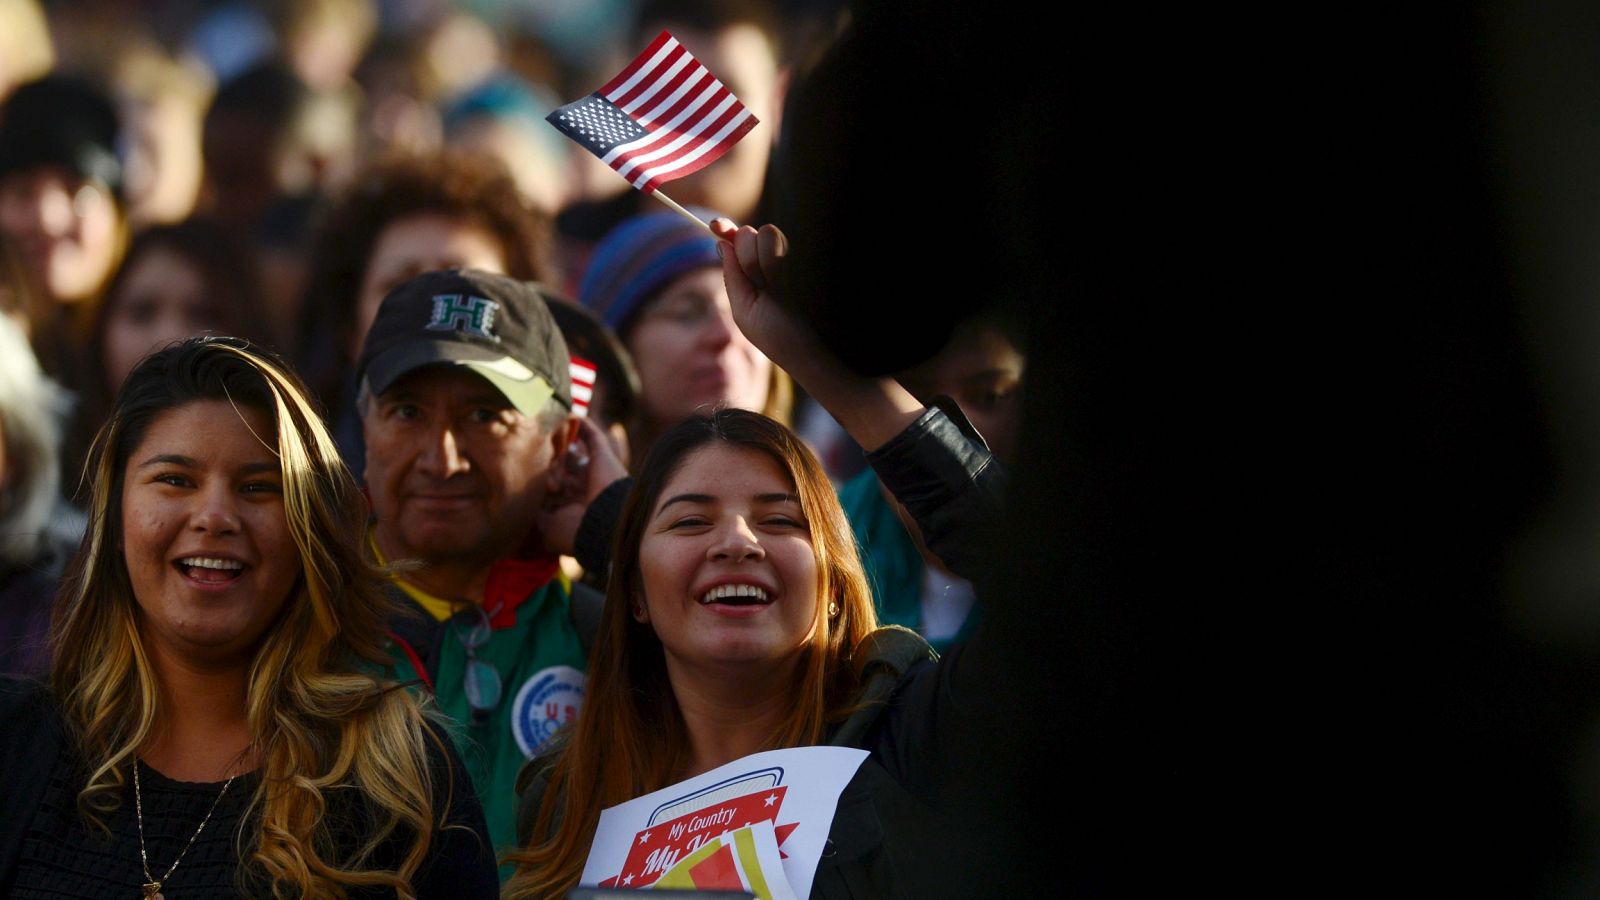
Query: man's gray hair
[
  {"x": 551, "y": 417},
  {"x": 31, "y": 406}
]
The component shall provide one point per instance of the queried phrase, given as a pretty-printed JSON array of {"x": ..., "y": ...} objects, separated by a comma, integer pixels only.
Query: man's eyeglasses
[{"x": 480, "y": 681}]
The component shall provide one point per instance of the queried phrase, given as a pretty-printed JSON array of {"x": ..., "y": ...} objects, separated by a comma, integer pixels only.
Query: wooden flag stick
[{"x": 673, "y": 204}]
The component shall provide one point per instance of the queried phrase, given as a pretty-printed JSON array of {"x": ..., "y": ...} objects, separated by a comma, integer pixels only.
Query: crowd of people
[
  {"x": 386, "y": 488},
  {"x": 1294, "y": 574}
]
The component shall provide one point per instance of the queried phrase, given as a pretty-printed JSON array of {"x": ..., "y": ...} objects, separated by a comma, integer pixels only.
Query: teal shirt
[
  {"x": 541, "y": 663},
  {"x": 894, "y": 564}
]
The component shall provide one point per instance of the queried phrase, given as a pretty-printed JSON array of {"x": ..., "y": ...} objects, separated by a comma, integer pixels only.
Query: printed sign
[
  {"x": 746, "y": 859},
  {"x": 711, "y": 828}
]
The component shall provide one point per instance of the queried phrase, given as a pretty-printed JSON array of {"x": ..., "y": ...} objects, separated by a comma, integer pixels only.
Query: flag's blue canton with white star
[{"x": 596, "y": 123}]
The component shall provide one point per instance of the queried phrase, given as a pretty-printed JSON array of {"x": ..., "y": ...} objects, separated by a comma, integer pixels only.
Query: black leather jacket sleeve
[{"x": 942, "y": 472}]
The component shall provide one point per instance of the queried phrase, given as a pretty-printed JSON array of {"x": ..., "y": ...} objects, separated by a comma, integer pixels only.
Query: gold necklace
[{"x": 152, "y": 886}]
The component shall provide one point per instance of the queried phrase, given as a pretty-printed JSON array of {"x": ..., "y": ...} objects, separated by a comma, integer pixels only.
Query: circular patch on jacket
[{"x": 545, "y": 702}]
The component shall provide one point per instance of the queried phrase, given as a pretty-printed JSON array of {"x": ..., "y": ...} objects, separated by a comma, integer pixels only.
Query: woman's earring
[{"x": 833, "y": 609}]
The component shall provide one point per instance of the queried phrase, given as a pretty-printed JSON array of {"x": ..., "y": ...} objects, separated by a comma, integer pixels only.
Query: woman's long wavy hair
[
  {"x": 319, "y": 724},
  {"x": 631, "y": 738}
]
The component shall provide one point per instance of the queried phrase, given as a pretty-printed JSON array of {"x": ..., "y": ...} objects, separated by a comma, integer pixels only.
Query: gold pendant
[{"x": 152, "y": 891}]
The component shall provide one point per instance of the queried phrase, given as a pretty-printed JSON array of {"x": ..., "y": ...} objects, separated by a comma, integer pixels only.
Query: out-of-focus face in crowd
[
  {"x": 503, "y": 119},
  {"x": 60, "y": 178},
  {"x": 403, "y": 215},
  {"x": 266, "y": 138},
  {"x": 982, "y": 370},
  {"x": 419, "y": 243},
  {"x": 161, "y": 299},
  {"x": 67, "y": 227},
  {"x": 161, "y": 103},
  {"x": 177, "y": 282},
  {"x": 744, "y": 59},
  {"x": 656, "y": 279},
  {"x": 690, "y": 354}
]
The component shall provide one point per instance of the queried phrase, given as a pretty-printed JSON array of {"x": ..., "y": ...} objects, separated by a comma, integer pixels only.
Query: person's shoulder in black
[{"x": 31, "y": 739}]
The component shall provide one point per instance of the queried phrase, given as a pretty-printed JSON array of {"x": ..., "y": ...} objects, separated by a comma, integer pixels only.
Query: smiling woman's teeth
[
  {"x": 731, "y": 591},
  {"x": 206, "y": 562}
]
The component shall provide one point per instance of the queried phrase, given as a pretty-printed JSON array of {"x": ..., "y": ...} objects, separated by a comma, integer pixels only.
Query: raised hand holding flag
[{"x": 662, "y": 117}]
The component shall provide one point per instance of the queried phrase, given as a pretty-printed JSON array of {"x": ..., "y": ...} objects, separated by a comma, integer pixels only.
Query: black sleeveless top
[
  {"x": 64, "y": 856},
  {"x": 47, "y": 849}
]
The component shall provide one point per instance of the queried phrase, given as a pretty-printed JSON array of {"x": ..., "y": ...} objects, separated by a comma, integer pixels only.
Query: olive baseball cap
[{"x": 497, "y": 326}]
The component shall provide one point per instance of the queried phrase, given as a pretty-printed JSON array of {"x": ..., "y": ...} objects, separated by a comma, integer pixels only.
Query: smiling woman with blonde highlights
[{"x": 211, "y": 660}]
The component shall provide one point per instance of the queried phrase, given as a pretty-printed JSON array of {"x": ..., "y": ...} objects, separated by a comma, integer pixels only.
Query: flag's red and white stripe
[
  {"x": 583, "y": 376},
  {"x": 691, "y": 116}
]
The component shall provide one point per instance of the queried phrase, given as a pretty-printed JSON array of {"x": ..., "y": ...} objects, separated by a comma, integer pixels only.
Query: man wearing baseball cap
[{"x": 465, "y": 397}]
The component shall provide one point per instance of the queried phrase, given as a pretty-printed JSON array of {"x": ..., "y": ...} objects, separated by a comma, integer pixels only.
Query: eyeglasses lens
[{"x": 482, "y": 685}]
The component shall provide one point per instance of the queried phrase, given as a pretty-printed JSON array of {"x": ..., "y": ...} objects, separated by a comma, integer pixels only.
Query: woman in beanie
[
  {"x": 61, "y": 190},
  {"x": 657, "y": 281}
]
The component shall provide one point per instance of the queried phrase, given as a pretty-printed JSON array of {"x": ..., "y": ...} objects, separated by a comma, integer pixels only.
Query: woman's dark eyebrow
[
  {"x": 169, "y": 459},
  {"x": 707, "y": 498},
  {"x": 685, "y": 498},
  {"x": 178, "y": 459}
]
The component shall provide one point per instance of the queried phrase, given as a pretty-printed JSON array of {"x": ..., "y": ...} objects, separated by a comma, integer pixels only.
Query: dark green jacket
[{"x": 539, "y": 648}]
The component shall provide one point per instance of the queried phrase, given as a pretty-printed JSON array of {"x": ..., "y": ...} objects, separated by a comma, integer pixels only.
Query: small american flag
[
  {"x": 663, "y": 117},
  {"x": 583, "y": 376}
]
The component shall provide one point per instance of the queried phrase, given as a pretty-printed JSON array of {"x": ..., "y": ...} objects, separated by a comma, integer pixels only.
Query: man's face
[{"x": 455, "y": 472}]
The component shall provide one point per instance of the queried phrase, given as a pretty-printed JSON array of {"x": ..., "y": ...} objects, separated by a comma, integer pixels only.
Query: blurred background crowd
[
  {"x": 174, "y": 167},
  {"x": 272, "y": 169}
]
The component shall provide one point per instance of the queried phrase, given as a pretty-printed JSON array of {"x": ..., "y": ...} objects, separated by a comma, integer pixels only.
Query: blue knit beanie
[{"x": 640, "y": 257}]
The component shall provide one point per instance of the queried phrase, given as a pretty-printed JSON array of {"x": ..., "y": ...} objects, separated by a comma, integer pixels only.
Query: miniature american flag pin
[{"x": 583, "y": 376}]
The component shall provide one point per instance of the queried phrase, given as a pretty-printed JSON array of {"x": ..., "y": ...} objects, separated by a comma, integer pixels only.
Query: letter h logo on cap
[{"x": 474, "y": 315}]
